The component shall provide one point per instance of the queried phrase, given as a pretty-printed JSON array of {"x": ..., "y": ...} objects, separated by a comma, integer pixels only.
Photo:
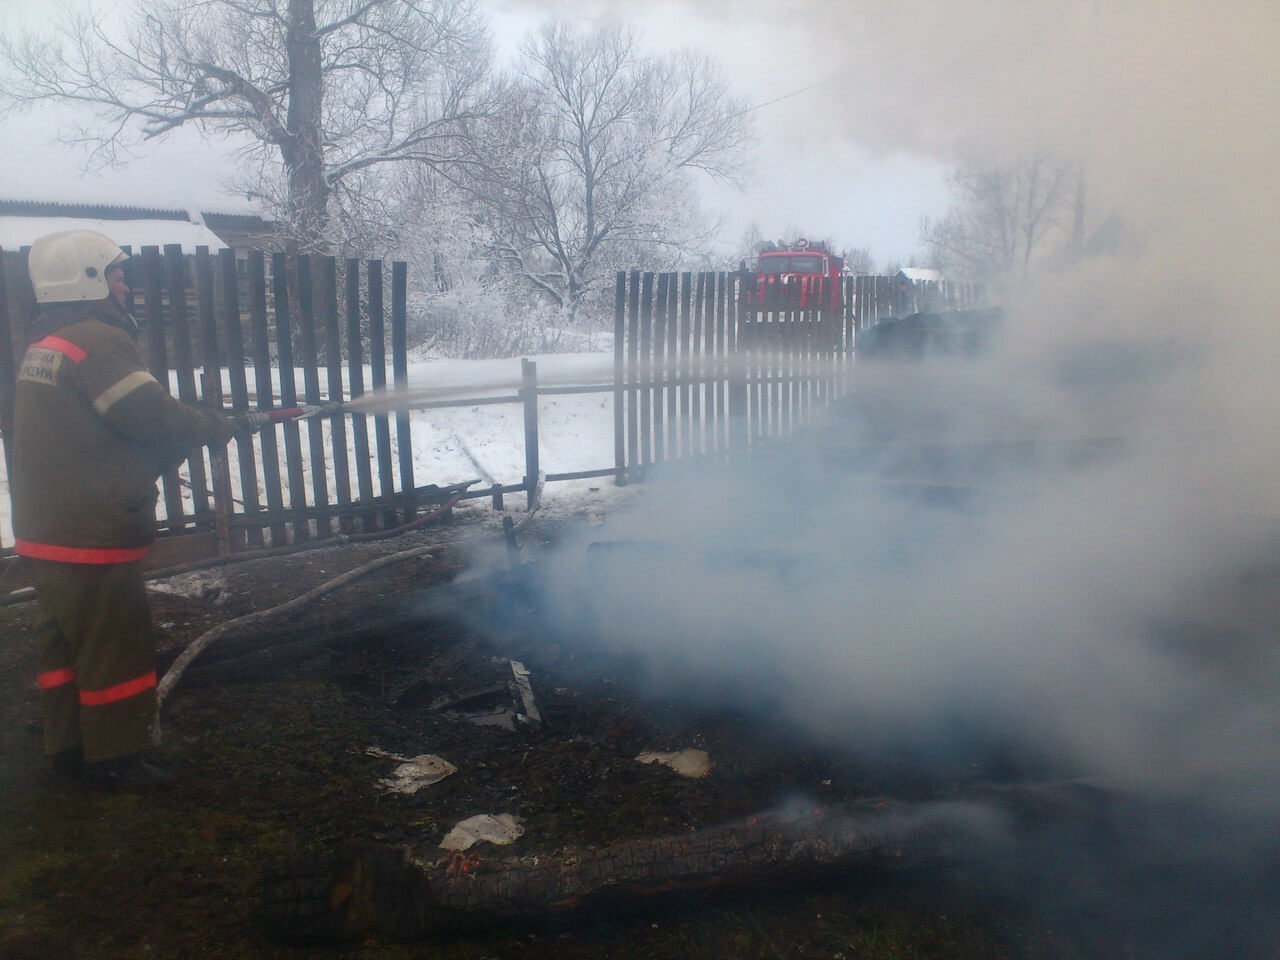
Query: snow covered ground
[{"x": 454, "y": 444}]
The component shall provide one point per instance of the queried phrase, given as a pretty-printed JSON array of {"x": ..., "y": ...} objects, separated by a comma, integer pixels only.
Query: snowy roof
[
  {"x": 920, "y": 274},
  {"x": 17, "y": 207},
  {"x": 21, "y": 221},
  {"x": 21, "y": 231},
  {"x": 13, "y": 207}
]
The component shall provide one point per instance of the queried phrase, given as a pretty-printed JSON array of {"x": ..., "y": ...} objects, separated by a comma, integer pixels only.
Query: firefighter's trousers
[{"x": 95, "y": 658}]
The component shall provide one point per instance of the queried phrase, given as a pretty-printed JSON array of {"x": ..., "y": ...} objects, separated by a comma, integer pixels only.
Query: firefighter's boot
[
  {"x": 133, "y": 773},
  {"x": 68, "y": 764}
]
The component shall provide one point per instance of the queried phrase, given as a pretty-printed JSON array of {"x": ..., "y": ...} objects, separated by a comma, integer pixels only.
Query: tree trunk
[{"x": 308, "y": 196}]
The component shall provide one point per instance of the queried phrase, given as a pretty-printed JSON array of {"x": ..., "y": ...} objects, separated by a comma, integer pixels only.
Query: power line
[{"x": 785, "y": 96}]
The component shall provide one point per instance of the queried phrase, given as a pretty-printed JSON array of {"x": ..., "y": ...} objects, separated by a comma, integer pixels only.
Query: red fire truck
[{"x": 789, "y": 276}]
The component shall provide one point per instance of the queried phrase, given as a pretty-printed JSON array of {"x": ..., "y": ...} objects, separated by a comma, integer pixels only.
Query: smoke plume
[
  {"x": 1037, "y": 606},
  {"x": 1070, "y": 542}
]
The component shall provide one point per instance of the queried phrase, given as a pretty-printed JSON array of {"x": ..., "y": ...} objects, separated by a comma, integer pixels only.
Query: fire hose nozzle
[
  {"x": 330, "y": 409},
  {"x": 253, "y": 422}
]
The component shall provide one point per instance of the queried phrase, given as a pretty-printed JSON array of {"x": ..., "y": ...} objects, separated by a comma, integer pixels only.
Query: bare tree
[
  {"x": 595, "y": 158},
  {"x": 749, "y": 244},
  {"x": 323, "y": 90},
  {"x": 858, "y": 260},
  {"x": 1001, "y": 217}
]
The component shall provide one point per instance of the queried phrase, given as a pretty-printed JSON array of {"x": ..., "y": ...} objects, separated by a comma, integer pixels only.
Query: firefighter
[{"x": 93, "y": 430}]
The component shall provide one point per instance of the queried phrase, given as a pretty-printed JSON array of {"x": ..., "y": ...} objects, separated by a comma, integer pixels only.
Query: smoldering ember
[{"x": 802, "y": 489}]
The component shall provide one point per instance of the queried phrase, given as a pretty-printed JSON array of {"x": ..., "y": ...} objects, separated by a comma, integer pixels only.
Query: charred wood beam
[{"x": 418, "y": 890}]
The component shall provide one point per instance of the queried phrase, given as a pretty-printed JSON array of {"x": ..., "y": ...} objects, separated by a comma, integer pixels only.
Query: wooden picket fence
[
  {"x": 704, "y": 365},
  {"x": 287, "y": 317}
]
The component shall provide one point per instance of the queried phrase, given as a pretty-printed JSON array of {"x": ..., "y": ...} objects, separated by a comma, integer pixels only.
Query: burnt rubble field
[
  {"x": 280, "y": 799},
  {"x": 274, "y": 770}
]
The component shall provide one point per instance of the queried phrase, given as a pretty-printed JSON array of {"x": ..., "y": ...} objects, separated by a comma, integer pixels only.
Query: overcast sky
[{"x": 807, "y": 177}]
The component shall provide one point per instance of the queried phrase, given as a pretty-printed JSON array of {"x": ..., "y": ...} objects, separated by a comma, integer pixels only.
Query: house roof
[
  {"x": 16, "y": 232},
  {"x": 22, "y": 221},
  {"x": 242, "y": 221},
  {"x": 96, "y": 211}
]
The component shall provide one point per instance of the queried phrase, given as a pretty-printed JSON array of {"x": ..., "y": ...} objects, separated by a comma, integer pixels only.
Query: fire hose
[
  {"x": 257, "y": 420},
  {"x": 197, "y": 646}
]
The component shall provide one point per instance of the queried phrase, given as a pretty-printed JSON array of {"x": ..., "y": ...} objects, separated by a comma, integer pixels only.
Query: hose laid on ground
[
  {"x": 21, "y": 595},
  {"x": 200, "y": 643},
  {"x": 300, "y": 649}
]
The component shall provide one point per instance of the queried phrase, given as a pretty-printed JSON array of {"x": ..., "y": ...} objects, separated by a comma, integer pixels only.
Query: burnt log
[{"x": 415, "y": 890}]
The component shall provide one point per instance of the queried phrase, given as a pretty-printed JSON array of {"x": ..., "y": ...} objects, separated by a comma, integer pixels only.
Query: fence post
[
  {"x": 355, "y": 377},
  {"x": 658, "y": 367},
  {"x": 644, "y": 372},
  {"x": 184, "y": 368},
  {"x": 239, "y": 382},
  {"x": 218, "y": 466},
  {"x": 633, "y": 376},
  {"x": 311, "y": 391},
  {"x": 289, "y": 397},
  {"x": 333, "y": 369},
  {"x": 261, "y": 351},
  {"x": 158, "y": 363},
  {"x": 738, "y": 435},
  {"x": 529, "y": 394},
  {"x": 378, "y": 381},
  {"x": 619, "y": 328},
  {"x": 400, "y": 372}
]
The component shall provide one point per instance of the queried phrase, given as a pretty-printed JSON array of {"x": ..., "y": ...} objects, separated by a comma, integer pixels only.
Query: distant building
[{"x": 22, "y": 221}]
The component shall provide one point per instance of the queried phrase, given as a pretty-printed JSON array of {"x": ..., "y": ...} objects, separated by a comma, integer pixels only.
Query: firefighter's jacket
[{"x": 93, "y": 430}]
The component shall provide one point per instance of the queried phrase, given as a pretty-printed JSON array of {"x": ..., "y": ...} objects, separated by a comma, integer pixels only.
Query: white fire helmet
[{"x": 72, "y": 265}]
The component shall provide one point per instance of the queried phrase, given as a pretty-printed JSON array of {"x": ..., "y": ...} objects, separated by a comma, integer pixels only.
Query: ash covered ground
[
  {"x": 274, "y": 767},
  {"x": 952, "y": 586}
]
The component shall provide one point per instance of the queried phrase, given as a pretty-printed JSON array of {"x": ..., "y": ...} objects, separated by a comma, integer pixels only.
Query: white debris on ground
[
  {"x": 687, "y": 763},
  {"x": 412, "y": 773},
  {"x": 483, "y": 828},
  {"x": 197, "y": 585}
]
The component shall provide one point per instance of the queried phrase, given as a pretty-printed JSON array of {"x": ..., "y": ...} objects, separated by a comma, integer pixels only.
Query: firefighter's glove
[
  {"x": 247, "y": 424},
  {"x": 222, "y": 430}
]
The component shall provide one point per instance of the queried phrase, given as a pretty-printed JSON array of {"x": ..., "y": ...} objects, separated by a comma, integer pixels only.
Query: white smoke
[{"x": 1036, "y": 612}]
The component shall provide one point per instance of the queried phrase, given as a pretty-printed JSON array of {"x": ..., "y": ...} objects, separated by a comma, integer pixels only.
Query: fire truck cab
[{"x": 789, "y": 276}]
